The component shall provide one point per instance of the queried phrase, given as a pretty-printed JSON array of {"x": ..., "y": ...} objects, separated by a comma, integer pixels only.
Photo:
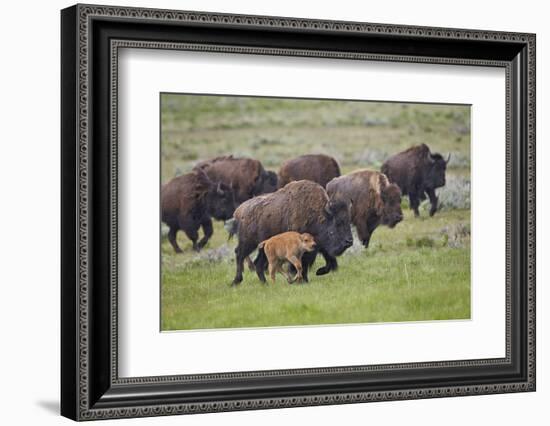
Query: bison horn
[
  {"x": 328, "y": 210},
  {"x": 219, "y": 188},
  {"x": 448, "y": 159}
]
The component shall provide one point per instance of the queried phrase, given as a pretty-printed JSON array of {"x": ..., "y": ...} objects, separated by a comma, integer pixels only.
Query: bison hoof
[
  {"x": 432, "y": 212},
  {"x": 236, "y": 282},
  {"x": 322, "y": 271}
]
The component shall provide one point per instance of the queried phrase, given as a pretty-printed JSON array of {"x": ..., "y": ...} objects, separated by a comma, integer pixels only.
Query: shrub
[
  {"x": 371, "y": 157},
  {"x": 420, "y": 242},
  {"x": 459, "y": 161},
  {"x": 454, "y": 195},
  {"x": 456, "y": 235}
]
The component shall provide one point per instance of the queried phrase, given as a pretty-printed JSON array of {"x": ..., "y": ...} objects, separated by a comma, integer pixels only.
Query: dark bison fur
[
  {"x": 418, "y": 173},
  {"x": 246, "y": 176},
  {"x": 191, "y": 201},
  {"x": 301, "y": 206},
  {"x": 374, "y": 201},
  {"x": 314, "y": 167}
]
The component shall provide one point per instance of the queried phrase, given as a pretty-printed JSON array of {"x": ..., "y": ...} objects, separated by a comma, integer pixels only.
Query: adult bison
[
  {"x": 189, "y": 202},
  {"x": 315, "y": 167},
  {"x": 374, "y": 201},
  {"x": 246, "y": 176},
  {"x": 417, "y": 172},
  {"x": 301, "y": 206}
]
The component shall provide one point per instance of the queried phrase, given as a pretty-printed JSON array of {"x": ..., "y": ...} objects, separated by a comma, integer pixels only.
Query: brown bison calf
[
  {"x": 374, "y": 201},
  {"x": 287, "y": 247},
  {"x": 417, "y": 172},
  {"x": 317, "y": 168},
  {"x": 189, "y": 201},
  {"x": 246, "y": 176}
]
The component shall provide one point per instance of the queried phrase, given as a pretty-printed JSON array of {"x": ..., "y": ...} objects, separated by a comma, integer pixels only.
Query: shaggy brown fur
[
  {"x": 417, "y": 172},
  {"x": 189, "y": 201},
  {"x": 301, "y": 206},
  {"x": 374, "y": 201},
  {"x": 315, "y": 167},
  {"x": 287, "y": 247},
  {"x": 246, "y": 176}
]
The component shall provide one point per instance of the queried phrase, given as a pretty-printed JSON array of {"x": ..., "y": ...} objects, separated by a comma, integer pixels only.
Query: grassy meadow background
[{"x": 420, "y": 270}]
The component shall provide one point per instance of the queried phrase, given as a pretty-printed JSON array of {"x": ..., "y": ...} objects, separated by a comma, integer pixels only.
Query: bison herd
[{"x": 307, "y": 196}]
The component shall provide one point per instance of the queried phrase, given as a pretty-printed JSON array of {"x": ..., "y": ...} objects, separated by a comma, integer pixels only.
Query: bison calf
[
  {"x": 374, "y": 201},
  {"x": 189, "y": 201},
  {"x": 287, "y": 247},
  {"x": 417, "y": 172},
  {"x": 317, "y": 168}
]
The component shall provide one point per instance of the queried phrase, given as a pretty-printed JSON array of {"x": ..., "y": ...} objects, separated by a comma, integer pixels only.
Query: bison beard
[
  {"x": 417, "y": 172},
  {"x": 301, "y": 206}
]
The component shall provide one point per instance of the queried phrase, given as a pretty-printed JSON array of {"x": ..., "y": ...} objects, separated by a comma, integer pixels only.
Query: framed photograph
[{"x": 263, "y": 212}]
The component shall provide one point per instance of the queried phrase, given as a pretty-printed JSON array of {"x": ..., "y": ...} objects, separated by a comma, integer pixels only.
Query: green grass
[
  {"x": 418, "y": 271},
  {"x": 357, "y": 134},
  {"x": 393, "y": 280}
]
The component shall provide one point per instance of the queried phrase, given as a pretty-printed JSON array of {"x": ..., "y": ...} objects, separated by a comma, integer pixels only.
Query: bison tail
[{"x": 232, "y": 227}]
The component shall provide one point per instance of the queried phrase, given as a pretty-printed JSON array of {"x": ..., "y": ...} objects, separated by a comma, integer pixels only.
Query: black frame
[{"x": 90, "y": 386}]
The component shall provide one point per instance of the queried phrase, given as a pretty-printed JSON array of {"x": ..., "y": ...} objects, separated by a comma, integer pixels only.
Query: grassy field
[{"x": 418, "y": 271}]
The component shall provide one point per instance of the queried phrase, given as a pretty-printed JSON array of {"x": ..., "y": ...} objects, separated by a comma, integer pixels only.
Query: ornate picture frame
[{"x": 91, "y": 38}]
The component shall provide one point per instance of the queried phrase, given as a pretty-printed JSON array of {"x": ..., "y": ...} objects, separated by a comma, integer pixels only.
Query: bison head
[
  {"x": 307, "y": 242},
  {"x": 391, "y": 213},
  {"x": 269, "y": 182},
  {"x": 334, "y": 234},
  {"x": 437, "y": 165},
  {"x": 220, "y": 201}
]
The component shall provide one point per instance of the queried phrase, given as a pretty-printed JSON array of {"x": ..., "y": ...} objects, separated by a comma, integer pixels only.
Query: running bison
[
  {"x": 189, "y": 202},
  {"x": 301, "y": 206},
  {"x": 417, "y": 172},
  {"x": 246, "y": 176},
  {"x": 374, "y": 201},
  {"x": 315, "y": 167}
]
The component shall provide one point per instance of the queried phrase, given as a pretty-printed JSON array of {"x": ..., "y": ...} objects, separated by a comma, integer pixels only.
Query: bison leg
[
  {"x": 241, "y": 252},
  {"x": 260, "y": 264},
  {"x": 173, "y": 240},
  {"x": 414, "y": 203},
  {"x": 250, "y": 264},
  {"x": 433, "y": 201},
  {"x": 331, "y": 264},
  {"x": 365, "y": 230},
  {"x": 363, "y": 233},
  {"x": 308, "y": 259},
  {"x": 272, "y": 271},
  {"x": 193, "y": 235},
  {"x": 208, "y": 231},
  {"x": 298, "y": 266},
  {"x": 284, "y": 272}
]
